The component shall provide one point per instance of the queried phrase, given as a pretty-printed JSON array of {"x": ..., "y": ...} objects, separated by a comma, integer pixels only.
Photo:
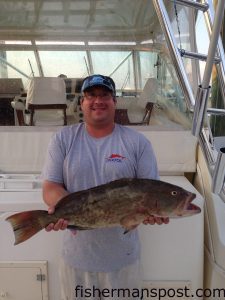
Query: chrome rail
[
  {"x": 216, "y": 166},
  {"x": 203, "y": 92},
  {"x": 193, "y": 4},
  {"x": 198, "y": 56},
  {"x": 199, "y": 111},
  {"x": 174, "y": 52},
  {"x": 217, "y": 22},
  {"x": 219, "y": 172},
  {"x": 209, "y": 15},
  {"x": 216, "y": 111},
  {"x": 207, "y": 150}
]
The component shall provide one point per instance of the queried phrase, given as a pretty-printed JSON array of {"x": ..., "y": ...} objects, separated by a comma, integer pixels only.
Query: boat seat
[
  {"x": 46, "y": 101},
  {"x": 138, "y": 109},
  {"x": 19, "y": 106},
  {"x": 121, "y": 116},
  {"x": 10, "y": 86},
  {"x": 34, "y": 107}
]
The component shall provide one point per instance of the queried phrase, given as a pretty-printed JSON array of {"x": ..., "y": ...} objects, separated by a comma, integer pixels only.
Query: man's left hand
[{"x": 156, "y": 220}]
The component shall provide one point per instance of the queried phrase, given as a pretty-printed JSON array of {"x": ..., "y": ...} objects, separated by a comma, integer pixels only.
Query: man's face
[{"x": 98, "y": 105}]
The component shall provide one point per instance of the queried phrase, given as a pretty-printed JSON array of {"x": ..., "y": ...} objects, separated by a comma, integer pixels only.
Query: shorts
[{"x": 81, "y": 285}]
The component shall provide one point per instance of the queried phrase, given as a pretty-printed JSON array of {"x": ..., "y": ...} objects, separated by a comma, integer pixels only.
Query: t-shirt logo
[{"x": 115, "y": 158}]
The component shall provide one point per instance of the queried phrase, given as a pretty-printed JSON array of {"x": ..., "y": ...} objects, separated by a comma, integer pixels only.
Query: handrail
[
  {"x": 209, "y": 15},
  {"x": 174, "y": 52},
  {"x": 207, "y": 150},
  {"x": 216, "y": 111},
  {"x": 213, "y": 43},
  {"x": 219, "y": 172},
  {"x": 193, "y": 4},
  {"x": 203, "y": 91},
  {"x": 198, "y": 56}
]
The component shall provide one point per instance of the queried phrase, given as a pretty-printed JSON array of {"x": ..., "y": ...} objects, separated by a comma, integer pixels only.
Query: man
[{"x": 83, "y": 156}]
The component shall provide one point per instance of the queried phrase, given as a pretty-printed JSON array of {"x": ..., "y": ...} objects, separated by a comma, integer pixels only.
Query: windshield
[{"x": 121, "y": 39}]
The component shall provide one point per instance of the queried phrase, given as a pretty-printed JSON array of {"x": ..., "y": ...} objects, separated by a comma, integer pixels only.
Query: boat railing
[
  {"x": 219, "y": 172},
  {"x": 200, "y": 104},
  {"x": 174, "y": 52}
]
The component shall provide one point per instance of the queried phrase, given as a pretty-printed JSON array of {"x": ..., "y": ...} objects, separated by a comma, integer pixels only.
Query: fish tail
[{"x": 26, "y": 224}]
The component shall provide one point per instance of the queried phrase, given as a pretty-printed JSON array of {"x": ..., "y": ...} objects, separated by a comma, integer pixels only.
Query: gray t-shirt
[{"x": 80, "y": 161}]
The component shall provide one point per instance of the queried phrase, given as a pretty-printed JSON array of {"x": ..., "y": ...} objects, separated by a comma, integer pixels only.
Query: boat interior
[{"x": 167, "y": 61}]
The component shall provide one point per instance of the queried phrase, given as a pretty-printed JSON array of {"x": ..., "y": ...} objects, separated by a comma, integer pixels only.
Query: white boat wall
[
  {"x": 46, "y": 49},
  {"x": 172, "y": 255}
]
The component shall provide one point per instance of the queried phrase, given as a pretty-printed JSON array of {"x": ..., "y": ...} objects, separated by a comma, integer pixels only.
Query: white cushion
[
  {"x": 46, "y": 90},
  {"x": 23, "y": 150}
]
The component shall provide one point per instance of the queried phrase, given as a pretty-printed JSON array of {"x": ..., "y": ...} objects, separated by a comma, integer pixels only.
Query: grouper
[{"x": 124, "y": 202}]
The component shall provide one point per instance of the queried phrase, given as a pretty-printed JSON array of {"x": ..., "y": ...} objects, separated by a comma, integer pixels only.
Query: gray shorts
[{"x": 81, "y": 285}]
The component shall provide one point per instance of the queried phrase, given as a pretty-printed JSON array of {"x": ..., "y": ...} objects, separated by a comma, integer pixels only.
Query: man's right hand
[
  {"x": 61, "y": 224},
  {"x": 52, "y": 193}
]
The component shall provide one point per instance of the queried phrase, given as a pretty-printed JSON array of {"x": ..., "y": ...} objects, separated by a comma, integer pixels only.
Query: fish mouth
[{"x": 190, "y": 208}]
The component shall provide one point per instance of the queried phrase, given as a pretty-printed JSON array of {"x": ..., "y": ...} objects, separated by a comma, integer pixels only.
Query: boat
[{"x": 163, "y": 56}]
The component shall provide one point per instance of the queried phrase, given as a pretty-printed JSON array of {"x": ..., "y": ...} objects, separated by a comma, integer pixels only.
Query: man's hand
[
  {"x": 156, "y": 220},
  {"x": 52, "y": 193},
  {"x": 61, "y": 224}
]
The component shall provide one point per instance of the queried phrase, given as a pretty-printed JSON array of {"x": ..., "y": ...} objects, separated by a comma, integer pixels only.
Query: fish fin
[
  {"x": 74, "y": 227},
  {"x": 132, "y": 220},
  {"x": 130, "y": 228},
  {"x": 26, "y": 224}
]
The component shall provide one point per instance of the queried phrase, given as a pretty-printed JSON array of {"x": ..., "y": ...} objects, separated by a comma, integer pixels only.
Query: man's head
[
  {"x": 99, "y": 100},
  {"x": 100, "y": 81}
]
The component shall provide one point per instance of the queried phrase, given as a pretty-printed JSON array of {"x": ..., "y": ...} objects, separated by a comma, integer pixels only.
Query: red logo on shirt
[{"x": 115, "y": 158}]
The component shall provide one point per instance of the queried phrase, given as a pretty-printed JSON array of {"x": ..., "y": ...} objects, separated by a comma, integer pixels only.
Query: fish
[{"x": 125, "y": 202}]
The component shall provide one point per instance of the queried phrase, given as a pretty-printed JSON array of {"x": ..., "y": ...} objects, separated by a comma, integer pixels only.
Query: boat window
[
  {"x": 122, "y": 39},
  {"x": 70, "y": 63},
  {"x": 18, "y": 64},
  {"x": 148, "y": 66},
  {"x": 118, "y": 65},
  {"x": 202, "y": 40}
]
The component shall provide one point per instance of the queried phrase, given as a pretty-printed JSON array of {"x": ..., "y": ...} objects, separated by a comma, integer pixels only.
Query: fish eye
[{"x": 173, "y": 193}]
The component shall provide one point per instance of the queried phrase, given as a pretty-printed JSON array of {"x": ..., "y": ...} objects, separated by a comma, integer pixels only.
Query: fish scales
[
  {"x": 124, "y": 202},
  {"x": 102, "y": 212},
  {"x": 96, "y": 208}
]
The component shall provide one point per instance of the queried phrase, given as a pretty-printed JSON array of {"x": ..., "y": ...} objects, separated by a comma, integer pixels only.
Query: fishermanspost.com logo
[{"x": 145, "y": 293}]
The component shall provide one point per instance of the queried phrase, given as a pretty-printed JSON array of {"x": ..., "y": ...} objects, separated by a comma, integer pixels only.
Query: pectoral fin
[
  {"x": 130, "y": 228},
  {"x": 131, "y": 221}
]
